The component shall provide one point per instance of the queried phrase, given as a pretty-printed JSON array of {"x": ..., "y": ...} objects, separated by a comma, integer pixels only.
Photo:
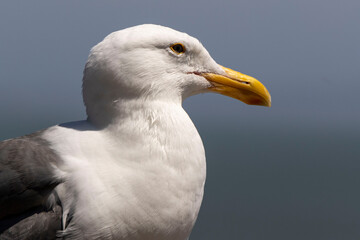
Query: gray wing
[{"x": 29, "y": 208}]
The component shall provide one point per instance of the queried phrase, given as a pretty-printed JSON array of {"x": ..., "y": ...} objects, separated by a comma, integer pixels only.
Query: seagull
[{"x": 135, "y": 168}]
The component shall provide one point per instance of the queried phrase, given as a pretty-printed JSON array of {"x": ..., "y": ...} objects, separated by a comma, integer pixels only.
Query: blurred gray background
[{"x": 286, "y": 172}]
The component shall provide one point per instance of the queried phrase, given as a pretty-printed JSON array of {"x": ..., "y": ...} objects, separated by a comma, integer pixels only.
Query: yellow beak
[{"x": 239, "y": 86}]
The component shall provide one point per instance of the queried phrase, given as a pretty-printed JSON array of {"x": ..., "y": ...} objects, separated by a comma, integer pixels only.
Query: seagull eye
[{"x": 178, "y": 48}]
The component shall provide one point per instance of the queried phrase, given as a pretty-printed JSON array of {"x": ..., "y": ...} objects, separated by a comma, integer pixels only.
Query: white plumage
[
  {"x": 135, "y": 169},
  {"x": 140, "y": 173}
]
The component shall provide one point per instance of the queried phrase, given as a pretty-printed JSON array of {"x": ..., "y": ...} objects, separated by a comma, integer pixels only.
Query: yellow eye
[{"x": 178, "y": 48}]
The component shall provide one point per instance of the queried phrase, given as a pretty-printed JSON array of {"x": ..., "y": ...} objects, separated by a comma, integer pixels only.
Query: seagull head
[{"x": 151, "y": 62}]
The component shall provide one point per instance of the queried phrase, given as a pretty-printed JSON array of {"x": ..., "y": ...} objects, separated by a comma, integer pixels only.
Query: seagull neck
[
  {"x": 137, "y": 111},
  {"x": 158, "y": 132}
]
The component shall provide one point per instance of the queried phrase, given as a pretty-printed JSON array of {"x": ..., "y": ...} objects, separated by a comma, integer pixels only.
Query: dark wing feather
[{"x": 26, "y": 181}]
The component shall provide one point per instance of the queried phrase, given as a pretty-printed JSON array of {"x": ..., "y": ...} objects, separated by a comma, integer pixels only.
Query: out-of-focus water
[
  {"x": 283, "y": 183},
  {"x": 276, "y": 183}
]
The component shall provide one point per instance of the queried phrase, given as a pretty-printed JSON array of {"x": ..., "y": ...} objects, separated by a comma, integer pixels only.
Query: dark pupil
[{"x": 178, "y": 48}]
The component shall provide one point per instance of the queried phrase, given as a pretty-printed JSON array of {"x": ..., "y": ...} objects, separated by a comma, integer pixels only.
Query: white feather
[{"x": 136, "y": 169}]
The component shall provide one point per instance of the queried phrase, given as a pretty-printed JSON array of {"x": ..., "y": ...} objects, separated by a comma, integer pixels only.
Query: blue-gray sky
[{"x": 307, "y": 53}]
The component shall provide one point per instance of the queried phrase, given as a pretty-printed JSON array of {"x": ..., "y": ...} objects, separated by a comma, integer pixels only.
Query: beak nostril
[
  {"x": 241, "y": 81},
  {"x": 201, "y": 73}
]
